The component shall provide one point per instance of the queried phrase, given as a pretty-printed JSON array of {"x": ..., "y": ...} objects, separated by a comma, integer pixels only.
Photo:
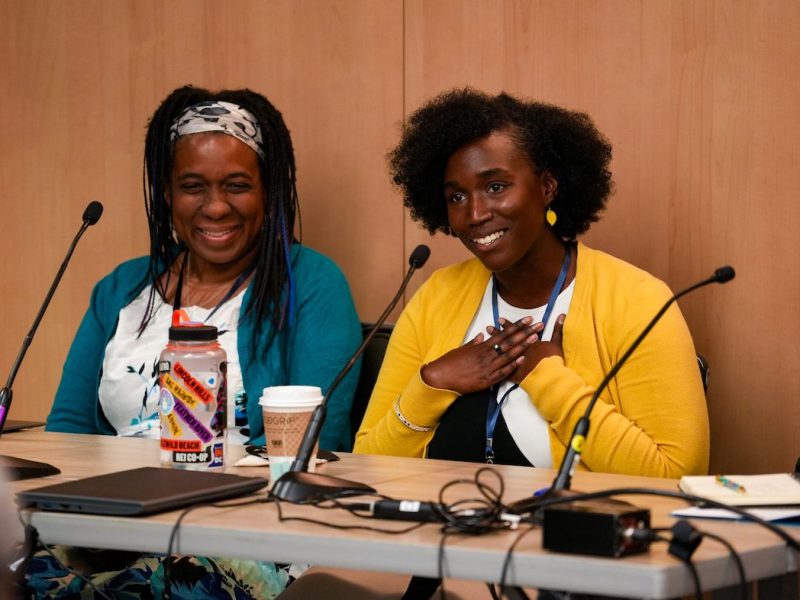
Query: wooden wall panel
[
  {"x": 595, "y": 57},
  {"x": 698, "y": 97},
  {"x": 81, "y": 78},
  {"x": 755, "y": 176},
  {"x": 698, "y": 100}
]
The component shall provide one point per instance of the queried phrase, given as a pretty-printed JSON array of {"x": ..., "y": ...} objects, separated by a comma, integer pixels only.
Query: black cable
[
  {"x": 83, "y": 578},
  {"x": 652, "y": 535},
  {"x": 283, "y": 518},
  {"x": 475, "y": 516},
  {"x": 470, "y": 516},
  {"x": 52, "y": 553},
  {"x": 173, "y": 535},
  {"x": 736, "y": 559},
  {"x": 790, "y": 542},
  {"x": 509, "y": 554},
  {"x": 440, "y": 562},
  {"x": 648, "y": 536},
  {"x": 543, "y": 502},
  {"x": 492, "y": 592},
  {"x": 698, "y": 594}
]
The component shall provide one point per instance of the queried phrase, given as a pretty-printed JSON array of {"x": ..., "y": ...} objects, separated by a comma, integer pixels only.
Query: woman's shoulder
[
  {"x": 125, "y": 281},
  {"x": 617, "y": 275},
  {"x": 316, "y": 274},
  {"x": 128, "y": 274},
  {"x": 457, "y": 285},
  {"x": 130, "y": 267},
  {"x": 308, "y": 260},
  {"x": 458, "y": 274}
]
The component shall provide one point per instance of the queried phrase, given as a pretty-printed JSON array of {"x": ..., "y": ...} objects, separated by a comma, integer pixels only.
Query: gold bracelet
[{"x": 405, "y": 421}]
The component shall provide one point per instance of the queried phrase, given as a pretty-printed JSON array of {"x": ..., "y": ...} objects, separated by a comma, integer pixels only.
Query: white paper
[{"x": 767, "y": 514}]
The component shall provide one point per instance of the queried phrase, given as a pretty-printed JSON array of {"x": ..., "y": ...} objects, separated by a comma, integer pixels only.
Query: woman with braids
[
  {"x": 219, "y": 187},
  {"x": 496, "y": 358}
]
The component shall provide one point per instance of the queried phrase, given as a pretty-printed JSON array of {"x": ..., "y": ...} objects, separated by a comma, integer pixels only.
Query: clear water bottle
[{"x": 192, "y": 399}]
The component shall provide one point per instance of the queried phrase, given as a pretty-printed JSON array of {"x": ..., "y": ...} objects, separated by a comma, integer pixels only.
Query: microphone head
[
  {"x": 93, "y": 212},
  {"x": 724, "y": 274},
  {"x": 419, "y": 256}
]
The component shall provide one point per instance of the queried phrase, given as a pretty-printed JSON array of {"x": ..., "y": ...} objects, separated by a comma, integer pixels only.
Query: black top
[{"x": 461, "y": 434}]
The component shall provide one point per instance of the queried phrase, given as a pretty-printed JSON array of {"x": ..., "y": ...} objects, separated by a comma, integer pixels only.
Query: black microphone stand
[
  {"x": 563, "y": 479},
  {"x": 18, "y": 468},
  {"x": 297, "y": 484}
]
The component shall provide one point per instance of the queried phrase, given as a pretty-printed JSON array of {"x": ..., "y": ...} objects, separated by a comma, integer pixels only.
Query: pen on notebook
[{"x": 730, "y": 484}]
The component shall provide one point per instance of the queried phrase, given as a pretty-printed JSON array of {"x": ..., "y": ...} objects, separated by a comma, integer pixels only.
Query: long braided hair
[{"x": 272, "y": 298}]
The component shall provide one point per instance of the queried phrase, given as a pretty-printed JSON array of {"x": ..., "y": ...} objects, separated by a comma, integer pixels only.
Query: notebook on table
[
  {"x": 141, "y": 491},
  {"x": 774, "y": 489}
]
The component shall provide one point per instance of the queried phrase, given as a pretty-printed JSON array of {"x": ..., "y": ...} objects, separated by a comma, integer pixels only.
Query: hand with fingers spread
[
  {"x": 540, "y": 350},
  {"x": 483, "y": 361}
]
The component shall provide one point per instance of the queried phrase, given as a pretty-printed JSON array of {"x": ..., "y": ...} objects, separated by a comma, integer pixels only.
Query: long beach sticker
[{"x": 181, "y": 445}]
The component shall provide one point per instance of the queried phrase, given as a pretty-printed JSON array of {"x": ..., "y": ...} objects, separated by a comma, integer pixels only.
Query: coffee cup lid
[{"x": 297, "y": 396}]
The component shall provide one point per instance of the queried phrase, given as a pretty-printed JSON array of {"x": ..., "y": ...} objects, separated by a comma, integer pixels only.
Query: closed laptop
[{"x": 141, "y": 491}]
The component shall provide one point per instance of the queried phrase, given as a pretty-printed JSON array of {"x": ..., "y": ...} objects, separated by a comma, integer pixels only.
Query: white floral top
[{"x": 129, "y": 383}]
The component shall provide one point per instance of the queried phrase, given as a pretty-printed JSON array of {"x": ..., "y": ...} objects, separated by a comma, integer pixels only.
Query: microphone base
[
  {"x": 16, "y": 469},
  {"x": 302, "y": 487}
]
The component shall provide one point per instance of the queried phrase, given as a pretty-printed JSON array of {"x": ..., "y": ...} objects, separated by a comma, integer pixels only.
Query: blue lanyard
[{"x": 494, "y": 407}]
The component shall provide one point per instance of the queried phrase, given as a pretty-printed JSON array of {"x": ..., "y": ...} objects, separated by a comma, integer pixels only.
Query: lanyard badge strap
[{"x": 494, "y": 407}]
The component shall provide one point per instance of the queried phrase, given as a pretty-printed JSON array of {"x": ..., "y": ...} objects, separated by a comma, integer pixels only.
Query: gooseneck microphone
[
  {"x": 20, "y": 469},
  {"x": 564, "y": 477},
  {"x": 297, "y": 485}
]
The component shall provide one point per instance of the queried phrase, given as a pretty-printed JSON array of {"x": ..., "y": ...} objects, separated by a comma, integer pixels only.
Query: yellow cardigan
[{"x": 651, "y": 420}]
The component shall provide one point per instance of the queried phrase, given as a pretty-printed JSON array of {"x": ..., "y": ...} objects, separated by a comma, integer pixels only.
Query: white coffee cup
[{"x": 286, "y": 410}]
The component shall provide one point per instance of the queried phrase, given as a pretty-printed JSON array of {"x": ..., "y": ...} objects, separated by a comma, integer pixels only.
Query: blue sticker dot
[{"x": 166, "y": 402}]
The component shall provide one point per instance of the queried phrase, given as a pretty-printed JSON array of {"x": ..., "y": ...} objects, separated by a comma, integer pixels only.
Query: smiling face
[
  {"x": 217, "y": 200},
  {"x": 496, "y": 204}
]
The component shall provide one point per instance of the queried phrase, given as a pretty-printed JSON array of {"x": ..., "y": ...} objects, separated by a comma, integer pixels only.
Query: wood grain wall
[{"x": 699, "y": 98}]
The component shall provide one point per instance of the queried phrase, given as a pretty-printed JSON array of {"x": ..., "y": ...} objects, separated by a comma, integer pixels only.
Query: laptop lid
[
  {"x": 141, "y": 491},
  {"x": 15, "y": 425}
]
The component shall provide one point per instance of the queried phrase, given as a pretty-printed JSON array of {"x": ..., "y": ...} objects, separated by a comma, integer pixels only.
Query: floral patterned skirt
[{"x": 131, "y": 575}]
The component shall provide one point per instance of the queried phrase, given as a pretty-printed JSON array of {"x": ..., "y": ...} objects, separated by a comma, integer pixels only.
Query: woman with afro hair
[{"x": 496, "y": 358}]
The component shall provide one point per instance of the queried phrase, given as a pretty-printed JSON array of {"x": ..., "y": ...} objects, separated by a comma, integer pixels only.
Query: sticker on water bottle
[
  {"x": 179, "y": 392},
  {"x": 174, "y": 427},
  {"x": 192, "y": 384},
  {"x": 165, "y": 401},
  {"x": 217, "y": 455},
  {"x": 186, "y": 415}
]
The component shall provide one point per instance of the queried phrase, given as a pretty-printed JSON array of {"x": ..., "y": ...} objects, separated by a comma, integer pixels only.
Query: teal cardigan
[{"x": 325, "y": 333}]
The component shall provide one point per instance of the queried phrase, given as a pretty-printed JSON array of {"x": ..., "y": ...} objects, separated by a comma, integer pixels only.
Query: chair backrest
[
  {"x": 705, "y": 368},
  {"x": 371, "y": 362}
]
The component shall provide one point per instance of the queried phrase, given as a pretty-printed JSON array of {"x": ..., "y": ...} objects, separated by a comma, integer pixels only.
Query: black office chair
[
  {"x": 371, "y": 362},
  {"x": 705, "y": 368}
]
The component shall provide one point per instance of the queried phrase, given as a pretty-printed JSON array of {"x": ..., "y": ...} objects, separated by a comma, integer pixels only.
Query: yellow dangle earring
[{"x": 550, "y": 216}]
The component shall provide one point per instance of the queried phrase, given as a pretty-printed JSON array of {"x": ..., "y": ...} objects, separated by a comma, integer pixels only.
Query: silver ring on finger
[{"x": 498, "y": 349}]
